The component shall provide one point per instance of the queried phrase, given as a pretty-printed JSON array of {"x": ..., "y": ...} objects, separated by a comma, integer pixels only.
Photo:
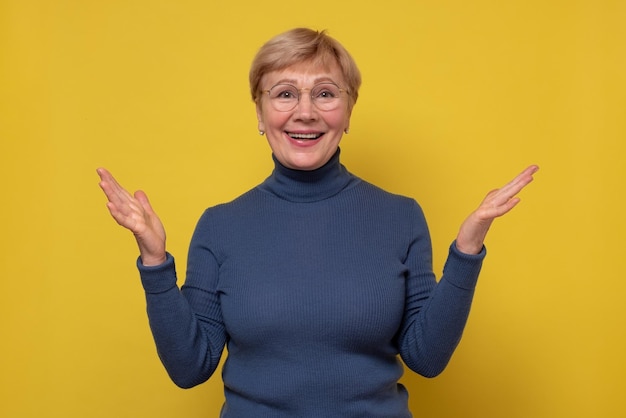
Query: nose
[{"x": 306, "y": 109}]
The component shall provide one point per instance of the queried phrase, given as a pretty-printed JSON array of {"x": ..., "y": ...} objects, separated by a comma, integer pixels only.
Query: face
[{"x": 304, "y": 138}]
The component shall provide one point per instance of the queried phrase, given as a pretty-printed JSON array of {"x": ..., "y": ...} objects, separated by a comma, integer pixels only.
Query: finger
[
  {"x": 127, "y": 210},
  {"x": 114, "y": 186},
  {"x": 107, "y": 179},
  {"x": 102, "y": 172},
  {"x": 119, "y": 217},
  {"x": 488, "y": 212},
  {"x": 129, "y": 215},
  {"x": 507, "y": 206},
  {"x": 513, "y": 187},
  {"x": 142, "y": 198},
  {"x": 114, "y": 192},
  {"x": 523, "y": 178}
]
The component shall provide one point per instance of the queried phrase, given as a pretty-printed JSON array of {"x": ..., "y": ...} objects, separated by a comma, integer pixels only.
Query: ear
[
  {"x": 347, "y": 124},
  {"x": 259, "y": 117}
]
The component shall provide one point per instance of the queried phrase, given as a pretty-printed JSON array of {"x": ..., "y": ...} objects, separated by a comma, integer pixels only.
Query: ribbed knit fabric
[{"x": 316, "y": 281}]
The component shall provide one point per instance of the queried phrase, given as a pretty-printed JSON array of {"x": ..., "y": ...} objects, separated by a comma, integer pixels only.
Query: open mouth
[{"x": 305, "y": 137}]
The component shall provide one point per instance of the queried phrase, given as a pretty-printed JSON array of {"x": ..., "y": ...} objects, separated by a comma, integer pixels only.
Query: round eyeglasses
[{"x": 324, "y": 96}]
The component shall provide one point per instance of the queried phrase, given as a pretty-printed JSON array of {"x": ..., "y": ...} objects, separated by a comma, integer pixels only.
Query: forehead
[{"x": 305, "y": 75}]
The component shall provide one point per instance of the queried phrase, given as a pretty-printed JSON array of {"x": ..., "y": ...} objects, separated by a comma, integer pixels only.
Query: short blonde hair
[{"x": 302, "y": 45}]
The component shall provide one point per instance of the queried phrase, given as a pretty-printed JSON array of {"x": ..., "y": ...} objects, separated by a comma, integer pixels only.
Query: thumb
[{"x": 142, "y": 198}]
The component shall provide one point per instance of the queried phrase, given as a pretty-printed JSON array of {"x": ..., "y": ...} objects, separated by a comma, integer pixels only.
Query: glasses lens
[
  {"x": 326, "y": 96},
  {"x": 284, "y": 97}
]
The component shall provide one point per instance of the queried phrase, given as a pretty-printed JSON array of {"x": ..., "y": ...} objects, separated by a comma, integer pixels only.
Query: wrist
[
  {"x": 152, "y": 260},
  {"x": 469, "y": 248},
  {"x": 472, "y": 236}
]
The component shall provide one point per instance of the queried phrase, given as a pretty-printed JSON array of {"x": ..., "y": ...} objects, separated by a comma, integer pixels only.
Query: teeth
[{"x": 305, "y": 136}]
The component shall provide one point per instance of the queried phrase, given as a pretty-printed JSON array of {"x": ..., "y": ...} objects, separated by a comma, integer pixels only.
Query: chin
[{"x": 305, "y": 163}]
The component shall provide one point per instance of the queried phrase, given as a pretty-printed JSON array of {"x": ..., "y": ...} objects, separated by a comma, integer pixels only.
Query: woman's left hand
[{"x": 497, "y": 203}]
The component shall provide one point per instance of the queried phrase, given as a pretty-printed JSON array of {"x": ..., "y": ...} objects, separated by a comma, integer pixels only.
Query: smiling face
[{"x": 304, "y": 138}]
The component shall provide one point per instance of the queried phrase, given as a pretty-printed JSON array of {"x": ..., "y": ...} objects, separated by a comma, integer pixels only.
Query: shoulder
[
  {"x": 223, "y": 212},
  {"x": 379, "y": 196}
]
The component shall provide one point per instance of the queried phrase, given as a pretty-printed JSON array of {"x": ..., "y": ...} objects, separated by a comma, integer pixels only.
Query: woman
[{"x": 315, "y": 280}]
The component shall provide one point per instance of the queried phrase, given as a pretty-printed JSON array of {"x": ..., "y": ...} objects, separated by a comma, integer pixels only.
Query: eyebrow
[{"x": 316, "y": 81}]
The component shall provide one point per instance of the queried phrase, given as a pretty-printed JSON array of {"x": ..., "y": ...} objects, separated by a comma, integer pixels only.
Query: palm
[
  {"x": 135, "y": 213},
  {"x": 497, "y": 203}
]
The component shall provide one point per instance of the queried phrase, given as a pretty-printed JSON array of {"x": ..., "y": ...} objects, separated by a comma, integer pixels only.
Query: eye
[
  {"x": 283, "y": 92},
  {"x": 325, "y": 92}
]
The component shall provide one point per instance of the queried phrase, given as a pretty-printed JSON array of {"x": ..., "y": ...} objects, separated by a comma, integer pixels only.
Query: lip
[{"x": 309, "y": 138}]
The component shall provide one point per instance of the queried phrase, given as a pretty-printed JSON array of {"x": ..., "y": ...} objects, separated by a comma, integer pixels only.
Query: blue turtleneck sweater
[{"x": 317, "y": 282}]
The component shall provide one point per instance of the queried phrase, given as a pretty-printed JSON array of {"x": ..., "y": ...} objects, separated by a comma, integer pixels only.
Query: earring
[
  {"x": 347, "y": 130},
  {"x": 261, "y": 133}
]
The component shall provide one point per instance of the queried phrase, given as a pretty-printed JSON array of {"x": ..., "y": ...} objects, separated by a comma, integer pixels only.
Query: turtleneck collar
[{"x": 308, "y": 186}]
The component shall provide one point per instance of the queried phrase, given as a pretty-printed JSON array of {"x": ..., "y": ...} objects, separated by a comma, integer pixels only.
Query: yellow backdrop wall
[{"x": 457, "y": 97}]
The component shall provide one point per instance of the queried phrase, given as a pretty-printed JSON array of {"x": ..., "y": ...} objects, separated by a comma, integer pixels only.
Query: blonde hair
[{"x": 303, "y": 45}]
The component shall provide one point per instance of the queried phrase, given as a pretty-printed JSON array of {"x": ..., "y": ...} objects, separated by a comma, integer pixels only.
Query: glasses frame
[{"x": 300, "y": 91}]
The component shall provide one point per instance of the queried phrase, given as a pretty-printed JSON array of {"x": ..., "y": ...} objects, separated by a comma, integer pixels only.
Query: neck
[{"x": 308, "y": 186}]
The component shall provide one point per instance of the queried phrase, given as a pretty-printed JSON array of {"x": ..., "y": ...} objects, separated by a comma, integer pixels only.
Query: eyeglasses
[{"x": 285, "y": 97}]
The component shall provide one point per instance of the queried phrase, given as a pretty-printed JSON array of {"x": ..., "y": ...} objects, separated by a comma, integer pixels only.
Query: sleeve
[
  {"x": 186, "y": 323},
  {"x": 435, "y": 314}
]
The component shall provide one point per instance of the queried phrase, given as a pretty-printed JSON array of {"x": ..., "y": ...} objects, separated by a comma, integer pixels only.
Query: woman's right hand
[{"x": 135, "y": 213}]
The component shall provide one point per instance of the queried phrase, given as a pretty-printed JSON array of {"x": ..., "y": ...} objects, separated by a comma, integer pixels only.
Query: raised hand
[
  {"x": 497, "y": 203},
  {"x": 135, "y": 213}
]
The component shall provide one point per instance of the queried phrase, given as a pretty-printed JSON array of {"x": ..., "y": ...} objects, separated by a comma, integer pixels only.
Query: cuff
[
  {"x": 462, "y": 269},
  {"x": 158, "y": 279}
]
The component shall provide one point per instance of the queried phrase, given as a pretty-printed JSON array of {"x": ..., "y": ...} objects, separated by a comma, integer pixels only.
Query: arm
[
  {"x": 186, "y": 325},
  {"x": 436, "y": 314}
]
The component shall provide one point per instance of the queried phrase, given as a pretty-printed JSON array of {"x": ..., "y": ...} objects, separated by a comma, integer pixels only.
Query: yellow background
[{"x": 458, "y": 97}]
